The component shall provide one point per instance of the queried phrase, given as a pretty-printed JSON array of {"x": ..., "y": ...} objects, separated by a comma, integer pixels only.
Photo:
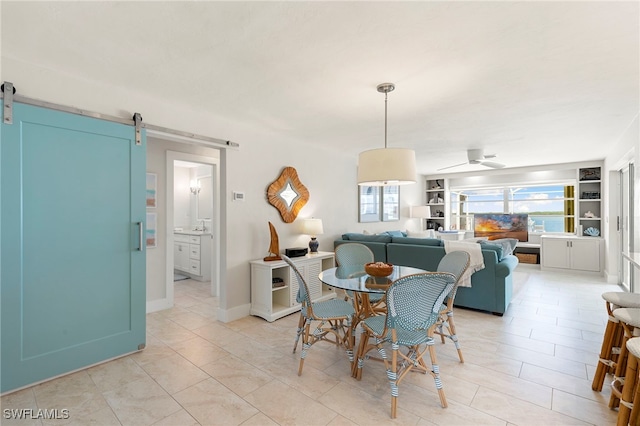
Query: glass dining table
[{"x": 363, "y": 285}]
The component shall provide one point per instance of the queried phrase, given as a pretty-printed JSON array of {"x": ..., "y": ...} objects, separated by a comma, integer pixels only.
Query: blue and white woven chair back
[
  {"x": 414, "y": 301},
  {"x": 353, "y": 254},
  {"x": 455, "y": 263},
  {"x": 303, "y": 291}
]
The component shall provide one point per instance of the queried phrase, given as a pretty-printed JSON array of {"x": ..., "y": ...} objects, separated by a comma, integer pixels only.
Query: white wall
[
  {"x": 330, "y": 178},
  {"x": 181, "y": 197}
]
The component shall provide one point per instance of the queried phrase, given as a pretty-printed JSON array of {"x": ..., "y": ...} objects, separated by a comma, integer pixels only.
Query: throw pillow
[
  {"x": 394, "y": 233},
  {"x": 508, "y": 244},
  {"x": 487, "y": 245}
]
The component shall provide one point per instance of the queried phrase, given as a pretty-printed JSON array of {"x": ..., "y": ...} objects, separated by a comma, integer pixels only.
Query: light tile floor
[{"x": 532, "y": 366}]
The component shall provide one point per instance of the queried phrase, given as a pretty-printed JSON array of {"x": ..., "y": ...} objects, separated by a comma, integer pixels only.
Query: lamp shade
[
  {"x": 387, "y": 166},
  {"x": 422, "y": 212},
  {"x": 312, "y": 226}
]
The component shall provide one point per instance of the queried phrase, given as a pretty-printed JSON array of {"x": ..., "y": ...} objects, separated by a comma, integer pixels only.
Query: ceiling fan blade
[
  {"x": 450, "y": 167},
  {"x": 492, "y": 164},
  {"x": 490, "y": 156}
]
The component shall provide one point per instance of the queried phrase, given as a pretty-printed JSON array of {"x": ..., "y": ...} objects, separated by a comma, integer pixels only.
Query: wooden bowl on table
[{"x": 378, "y": 269}]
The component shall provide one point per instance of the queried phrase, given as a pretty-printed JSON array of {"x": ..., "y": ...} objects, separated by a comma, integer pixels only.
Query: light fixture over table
[{"x": 386, "y": 166}]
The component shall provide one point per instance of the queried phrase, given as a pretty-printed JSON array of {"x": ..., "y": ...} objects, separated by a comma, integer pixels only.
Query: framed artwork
[
  {"x": 390, "y": 203},
  {"x": 151, "y": 228},
  {"x": 369, "y": 203},
  {"x": 152, "y": 189}
]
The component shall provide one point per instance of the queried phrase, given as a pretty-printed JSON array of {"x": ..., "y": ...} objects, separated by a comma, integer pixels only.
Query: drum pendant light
[{"x": 386, "y": 166}]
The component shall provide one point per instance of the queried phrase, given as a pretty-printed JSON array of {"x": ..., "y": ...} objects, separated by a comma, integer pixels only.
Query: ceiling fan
[{"x": 477, "y": 156}]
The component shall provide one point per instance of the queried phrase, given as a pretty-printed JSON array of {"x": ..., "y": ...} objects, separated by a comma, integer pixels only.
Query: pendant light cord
[{"x": 385, "y": 119}]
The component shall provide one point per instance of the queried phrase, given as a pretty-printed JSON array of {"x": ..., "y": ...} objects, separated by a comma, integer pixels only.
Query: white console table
[{"x": 272, "y": 302}]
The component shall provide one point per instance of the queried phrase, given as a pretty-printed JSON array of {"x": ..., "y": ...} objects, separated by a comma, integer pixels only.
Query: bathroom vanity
[{"x": 192, "y": 254}]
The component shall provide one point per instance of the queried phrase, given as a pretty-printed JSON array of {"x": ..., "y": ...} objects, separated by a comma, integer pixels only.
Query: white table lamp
[
  {"x": 422, "y": 212},
  {"x": 312, "y": 227}
]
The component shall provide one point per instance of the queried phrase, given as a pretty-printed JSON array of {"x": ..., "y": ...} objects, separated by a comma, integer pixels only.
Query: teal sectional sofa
[{"x": 491, "y": 288}]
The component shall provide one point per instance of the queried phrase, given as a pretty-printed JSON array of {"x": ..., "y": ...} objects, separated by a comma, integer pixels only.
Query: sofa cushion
[
  {"x": 506, "y": 245},
  {"x": 394, "y": 233},
  {"x": 417, "y": 241},
  {"x": 352, "y": 236},
  {"x": 487, "y": 245}
]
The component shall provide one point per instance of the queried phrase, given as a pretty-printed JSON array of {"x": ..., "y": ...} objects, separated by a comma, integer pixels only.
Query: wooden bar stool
[
  {"x": 612, "y": 340},
  {"x": 629, "y": 319},
  {"x": 628, "y": 413}
]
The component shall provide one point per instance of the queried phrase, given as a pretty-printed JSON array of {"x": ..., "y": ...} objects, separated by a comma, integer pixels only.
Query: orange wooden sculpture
[{"x": 274, "y": 247}]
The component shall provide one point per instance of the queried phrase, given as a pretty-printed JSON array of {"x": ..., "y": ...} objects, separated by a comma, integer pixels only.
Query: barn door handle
[{"x": 140, "y": 236}]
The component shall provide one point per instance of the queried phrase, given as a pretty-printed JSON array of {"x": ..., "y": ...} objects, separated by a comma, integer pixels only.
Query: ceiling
[{"x": 532, "y": 82}]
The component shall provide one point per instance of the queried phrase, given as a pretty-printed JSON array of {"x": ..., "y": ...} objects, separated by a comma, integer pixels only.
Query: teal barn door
[{"x": 72, "y": 217}]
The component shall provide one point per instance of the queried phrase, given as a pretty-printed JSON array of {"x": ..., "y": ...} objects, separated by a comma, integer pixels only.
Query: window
[
  {"x": 390, "y": 203},
  {"x": 369, "y": 204},
  {"x": 378, "y": 203},
  {"x": 550, "y": 207}
]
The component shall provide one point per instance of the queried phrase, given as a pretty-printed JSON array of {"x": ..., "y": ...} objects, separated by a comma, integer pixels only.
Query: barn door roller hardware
[
  {"x": 137, "y": 119},
  {"x": 8, "y": 91}
]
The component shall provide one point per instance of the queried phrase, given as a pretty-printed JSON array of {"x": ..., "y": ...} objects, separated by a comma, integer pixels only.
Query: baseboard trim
[
  {"x": 235, "y": 313},
  {"x": 158, "y": 305}
]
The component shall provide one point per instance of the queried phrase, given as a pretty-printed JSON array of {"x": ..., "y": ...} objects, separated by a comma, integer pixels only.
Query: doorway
[
  {"x": 625, "y": 226},
  {"x": 162, "y": 151},
  {"x": 192, "y": 221},
  {"x": 193, "y": 211}
]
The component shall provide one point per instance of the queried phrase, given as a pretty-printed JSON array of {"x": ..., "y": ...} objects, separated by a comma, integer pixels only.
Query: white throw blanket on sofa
[{"x": 476, "y": 261}]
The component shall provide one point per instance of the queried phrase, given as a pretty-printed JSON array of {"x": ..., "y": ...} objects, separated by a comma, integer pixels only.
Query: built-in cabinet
[
  {"x": 574, "y": 253},
  {"x": 435, "y": 197},
  {"x": 274, "y": 285},
  {"x": 192, "y": 254},
  {"x": 589, "y": 199}
]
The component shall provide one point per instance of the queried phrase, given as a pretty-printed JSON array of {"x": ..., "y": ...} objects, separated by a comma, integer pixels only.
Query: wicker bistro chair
[
  {"x": 413, "y": 308},
  {"x": 332, "y": 320},
  {"x": 456, "y": 262},
  {"x": 358, "y": 254}
]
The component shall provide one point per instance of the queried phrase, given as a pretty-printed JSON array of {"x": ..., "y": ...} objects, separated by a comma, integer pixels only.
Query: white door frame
[{"x": 215, "y": 220}]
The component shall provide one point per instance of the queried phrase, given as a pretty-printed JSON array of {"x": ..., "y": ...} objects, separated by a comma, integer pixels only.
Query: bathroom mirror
[
  {"x": 288, "y": 194},
  {"x": 205, "y": 198}
]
